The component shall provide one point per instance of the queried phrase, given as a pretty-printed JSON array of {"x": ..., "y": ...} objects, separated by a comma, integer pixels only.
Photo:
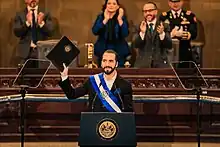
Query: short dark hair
[
  {"x": 153, "y": 3},
  {"x": 112, "y": 52}
]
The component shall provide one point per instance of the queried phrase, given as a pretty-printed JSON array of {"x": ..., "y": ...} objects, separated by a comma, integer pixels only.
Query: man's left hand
[
  {"x": 40, "y": 18},
  {"x": 160, "y": 28}
]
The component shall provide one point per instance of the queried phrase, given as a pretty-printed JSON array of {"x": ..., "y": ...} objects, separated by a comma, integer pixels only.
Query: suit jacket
[
  {"x": 94, "y": 103},
  {"x": 121, "y": 32},
  {"x": 185, "y": 53},
  {"x": 152, "y": 50},
  {"x": 24, "y": 33}
]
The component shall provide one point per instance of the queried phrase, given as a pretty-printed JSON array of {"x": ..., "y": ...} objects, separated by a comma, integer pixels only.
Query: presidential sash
[{"x": 105, "y": 95}]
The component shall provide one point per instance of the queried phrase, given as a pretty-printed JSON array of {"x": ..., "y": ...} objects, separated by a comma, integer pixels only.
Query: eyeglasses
[{"x": 150, "y": 10}]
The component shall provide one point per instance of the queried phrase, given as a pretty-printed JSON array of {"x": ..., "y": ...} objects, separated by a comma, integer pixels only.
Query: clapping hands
[
  {"x": 143, "y": 26},
  {"x": 121, "y": 13},
  {"x": 160, "y": 28}
]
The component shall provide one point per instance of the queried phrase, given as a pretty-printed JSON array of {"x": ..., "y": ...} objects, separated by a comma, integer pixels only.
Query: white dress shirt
[
  {"x": 162, "y": 36},
  {"x": 178, "y": 13},
  {"x": 30, "y": 24},
  {"x": 110, "y": 83}
]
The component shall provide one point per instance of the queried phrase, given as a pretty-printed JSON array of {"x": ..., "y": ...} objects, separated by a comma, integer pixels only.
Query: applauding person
[
  {"x": 31, "y": 25},
  {"x": 153, "y": 40},
  {"x": 111, "y": 27}
]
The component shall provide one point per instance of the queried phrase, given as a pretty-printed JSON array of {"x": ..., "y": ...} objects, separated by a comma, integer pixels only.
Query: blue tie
[{"x": 34, "y": 28}]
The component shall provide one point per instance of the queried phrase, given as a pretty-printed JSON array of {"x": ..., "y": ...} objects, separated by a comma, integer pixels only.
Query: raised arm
[
  {"x": 99, "y": 24},
  {"x": 68, "y": 89}
]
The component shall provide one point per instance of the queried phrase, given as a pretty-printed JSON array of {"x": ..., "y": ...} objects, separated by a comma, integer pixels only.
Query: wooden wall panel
[{"x": 75, "y": 18}]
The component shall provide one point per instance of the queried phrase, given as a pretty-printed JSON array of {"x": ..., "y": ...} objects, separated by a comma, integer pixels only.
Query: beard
[
  {"x": 150, "y": 17},
  {"x": 108, "y": 72}
]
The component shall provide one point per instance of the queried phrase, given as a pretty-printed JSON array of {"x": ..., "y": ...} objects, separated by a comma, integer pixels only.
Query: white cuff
[
  {"x": 28, "y": 24},
  {"x": 42, "y": 24},
  {"x": 142, "y": 35},
  {"x": 64, "y": 78},
  {"x": 162, "y": 36}
]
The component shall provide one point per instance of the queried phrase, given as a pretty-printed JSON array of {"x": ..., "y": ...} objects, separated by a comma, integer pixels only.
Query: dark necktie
[
  {"x": 176, "y": 14},
  {"x": 34, "y": 28},
  {"x": 151, "y": 28}
]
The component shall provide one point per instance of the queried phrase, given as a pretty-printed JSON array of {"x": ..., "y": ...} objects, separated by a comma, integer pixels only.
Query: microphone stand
[
  {"x": 94, "y": 99},
  {"x": 122, "y": 104},
  {"x": 198, "y": 92},
  {"x": 93, "y": 102},
  {"x": 23, "y": 92}
]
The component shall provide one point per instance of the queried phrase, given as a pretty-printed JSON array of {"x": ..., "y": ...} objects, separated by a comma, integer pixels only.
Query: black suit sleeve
[
  {"x": 19, "y": 26},
  {"x": 128, "y": 97},
  {"x": 193, "y": 26},
  {"x": 72, "y": 93},
  {"x": 138, "y": 42}
]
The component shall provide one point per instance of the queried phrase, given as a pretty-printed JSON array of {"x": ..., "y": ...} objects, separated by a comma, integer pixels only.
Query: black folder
[{"x": 63, "y": 52}]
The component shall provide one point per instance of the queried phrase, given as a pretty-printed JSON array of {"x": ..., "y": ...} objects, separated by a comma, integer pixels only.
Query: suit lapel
[{"x": 115, "y": 85}]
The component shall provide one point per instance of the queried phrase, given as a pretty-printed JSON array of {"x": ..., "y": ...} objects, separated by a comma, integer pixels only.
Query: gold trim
[
  {"x": 162, "y": 97},
  {"x": 107, "y": 129},
  {"x": 68, "y": 48}
]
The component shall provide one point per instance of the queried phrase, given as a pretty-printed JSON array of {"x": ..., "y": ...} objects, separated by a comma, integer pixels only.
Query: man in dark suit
[
  {"x": 108, "y": 92},
  {"x": 31, "y": 25},
  {"x": 153, "y": 40},
  {"x": 184, "y": 28}
]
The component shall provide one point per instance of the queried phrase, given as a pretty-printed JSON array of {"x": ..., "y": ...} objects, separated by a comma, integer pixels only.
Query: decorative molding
[{"x": 144, "y": 81}]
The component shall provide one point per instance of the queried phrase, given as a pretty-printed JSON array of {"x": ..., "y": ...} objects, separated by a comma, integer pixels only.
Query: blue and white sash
[{"x": 107, "y": 98}]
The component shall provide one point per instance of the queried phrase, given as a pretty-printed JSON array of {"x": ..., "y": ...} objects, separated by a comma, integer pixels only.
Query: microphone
[
  {"x": 93, "y": 101},
  {"x": 122, "y": 104}
]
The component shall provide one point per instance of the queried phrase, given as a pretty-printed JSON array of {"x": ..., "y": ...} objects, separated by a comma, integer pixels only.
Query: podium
[
  {"x": 101, "y": 129},
  {"x": 44, "y": 47}
]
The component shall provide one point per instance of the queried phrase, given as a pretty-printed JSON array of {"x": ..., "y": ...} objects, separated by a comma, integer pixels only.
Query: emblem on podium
[{"x": 107, "y": 129}]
